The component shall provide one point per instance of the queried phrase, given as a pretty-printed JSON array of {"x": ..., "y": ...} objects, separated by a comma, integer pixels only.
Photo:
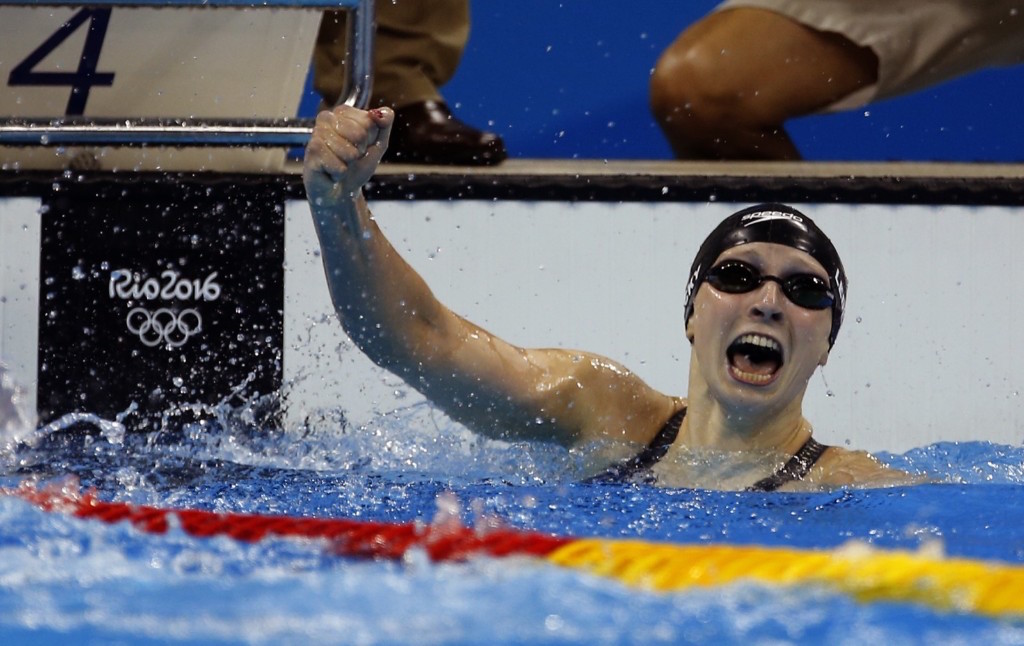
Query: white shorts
[{"x": 919, "y": 43}]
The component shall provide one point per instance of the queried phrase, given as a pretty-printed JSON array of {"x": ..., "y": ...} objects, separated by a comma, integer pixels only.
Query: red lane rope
[{"x": 347, "y": 537}]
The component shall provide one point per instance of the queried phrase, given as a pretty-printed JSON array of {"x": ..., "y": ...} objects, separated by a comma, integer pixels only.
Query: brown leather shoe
[{"x": 428, "y": 133}]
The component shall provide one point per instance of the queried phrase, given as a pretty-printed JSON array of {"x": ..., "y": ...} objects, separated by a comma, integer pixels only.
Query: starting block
[{"x": 120, "y": 62}]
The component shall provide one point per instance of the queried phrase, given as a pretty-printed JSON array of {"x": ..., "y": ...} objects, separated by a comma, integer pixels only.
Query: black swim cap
[{"x": 778, "y": 224}]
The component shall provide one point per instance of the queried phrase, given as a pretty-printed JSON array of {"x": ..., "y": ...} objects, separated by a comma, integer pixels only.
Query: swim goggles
[{"x": 805, "y": 290}]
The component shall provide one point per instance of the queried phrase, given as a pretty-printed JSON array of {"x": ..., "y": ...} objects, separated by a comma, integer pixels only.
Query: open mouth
[{"x": 755, "y": 359}]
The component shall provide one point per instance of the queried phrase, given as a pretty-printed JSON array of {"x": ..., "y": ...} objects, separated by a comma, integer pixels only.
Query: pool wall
[{"x": 927, "y": 352}]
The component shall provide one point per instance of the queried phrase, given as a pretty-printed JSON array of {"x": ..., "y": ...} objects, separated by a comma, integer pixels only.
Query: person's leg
[
  {"x": 725, "y": 87},
  {"x": 417, "y": 49}
]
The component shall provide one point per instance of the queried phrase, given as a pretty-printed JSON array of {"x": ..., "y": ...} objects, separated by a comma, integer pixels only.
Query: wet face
[{"x": 759, "y": 348}]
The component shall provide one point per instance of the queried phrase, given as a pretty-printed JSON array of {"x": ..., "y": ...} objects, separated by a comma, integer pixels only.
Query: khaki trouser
[{"x": 417, "y": 50}]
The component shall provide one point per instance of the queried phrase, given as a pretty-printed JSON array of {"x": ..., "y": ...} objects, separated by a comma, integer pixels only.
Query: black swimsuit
[{"x": 638, "y": 468}]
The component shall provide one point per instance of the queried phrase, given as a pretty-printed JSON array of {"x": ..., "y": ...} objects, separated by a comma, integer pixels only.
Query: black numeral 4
[{"x": 82, "y": 79}]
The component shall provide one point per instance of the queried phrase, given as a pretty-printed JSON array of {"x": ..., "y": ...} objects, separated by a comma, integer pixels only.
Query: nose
[{"x": 767, "y": 302}]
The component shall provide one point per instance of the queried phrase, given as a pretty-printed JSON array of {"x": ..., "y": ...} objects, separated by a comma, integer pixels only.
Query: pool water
[{"x": 68, "y": 580}]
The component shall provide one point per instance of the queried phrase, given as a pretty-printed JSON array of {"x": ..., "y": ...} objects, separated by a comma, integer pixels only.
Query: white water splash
[{"x": 17, "y": 421}]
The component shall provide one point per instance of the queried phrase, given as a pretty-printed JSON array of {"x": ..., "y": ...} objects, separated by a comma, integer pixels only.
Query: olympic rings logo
[{"x": 164, "y": 326}]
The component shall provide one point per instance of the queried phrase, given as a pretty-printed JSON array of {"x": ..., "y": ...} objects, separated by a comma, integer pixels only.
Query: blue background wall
[{"x": 569, "y": 79}]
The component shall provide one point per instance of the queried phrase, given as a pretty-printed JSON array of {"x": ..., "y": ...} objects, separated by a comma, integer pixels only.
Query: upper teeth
[{"x": 763, "y": 341}]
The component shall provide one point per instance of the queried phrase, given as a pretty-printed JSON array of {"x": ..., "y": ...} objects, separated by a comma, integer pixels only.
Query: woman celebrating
[{"x": 764, "y": 303}]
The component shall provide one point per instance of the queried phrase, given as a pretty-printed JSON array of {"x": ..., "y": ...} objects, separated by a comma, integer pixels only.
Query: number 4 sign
[
  {"x": 228, "y": 63},
  {"x": 82, "y": 79}
]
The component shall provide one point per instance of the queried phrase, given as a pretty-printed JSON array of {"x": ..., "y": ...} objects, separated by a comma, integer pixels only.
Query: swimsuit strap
[
  {"x": 656, "y": 450},
  {"x": 796, "y": 469}
]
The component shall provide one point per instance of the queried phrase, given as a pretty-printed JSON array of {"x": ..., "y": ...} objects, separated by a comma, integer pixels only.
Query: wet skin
[
  {"x": 758, "y": 414},
  {"x": 572, "y": 397}
]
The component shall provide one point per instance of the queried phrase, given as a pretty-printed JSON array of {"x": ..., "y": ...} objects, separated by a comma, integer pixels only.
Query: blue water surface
[{"x": 67, "y": 580}]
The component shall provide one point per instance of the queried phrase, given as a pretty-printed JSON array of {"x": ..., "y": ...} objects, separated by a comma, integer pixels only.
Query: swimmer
[{"x": 764, "y": 304}]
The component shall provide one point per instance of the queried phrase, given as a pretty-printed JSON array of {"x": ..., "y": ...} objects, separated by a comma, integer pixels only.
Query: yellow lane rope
[{"x": 989, "y": 588}]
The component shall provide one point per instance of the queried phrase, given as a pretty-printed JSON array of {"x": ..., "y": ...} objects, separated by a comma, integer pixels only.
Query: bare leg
[{"x": 725, "y": 87}]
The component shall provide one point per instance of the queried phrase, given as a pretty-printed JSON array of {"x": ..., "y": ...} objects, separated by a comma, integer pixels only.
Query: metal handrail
[
  {"x": 84, "y": 131},
  {"x": 80, "y": 131}
]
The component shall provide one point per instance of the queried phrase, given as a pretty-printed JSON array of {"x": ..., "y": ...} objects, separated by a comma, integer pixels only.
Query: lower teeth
[{"x": 753, "y": 377}]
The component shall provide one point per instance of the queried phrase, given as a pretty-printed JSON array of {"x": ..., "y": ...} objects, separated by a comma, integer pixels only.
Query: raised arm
[{"x": 390, "y": 313}]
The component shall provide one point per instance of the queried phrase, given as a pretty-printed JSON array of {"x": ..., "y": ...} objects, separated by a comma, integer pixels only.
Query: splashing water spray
[{"x": 17, "y": 421}]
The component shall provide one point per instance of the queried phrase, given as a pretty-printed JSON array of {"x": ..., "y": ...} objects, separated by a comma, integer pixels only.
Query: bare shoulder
[
  {"x": 611, "y": 401},
  {"x": 502, "y": 390},
  {"x": 839, "y": 467}
]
